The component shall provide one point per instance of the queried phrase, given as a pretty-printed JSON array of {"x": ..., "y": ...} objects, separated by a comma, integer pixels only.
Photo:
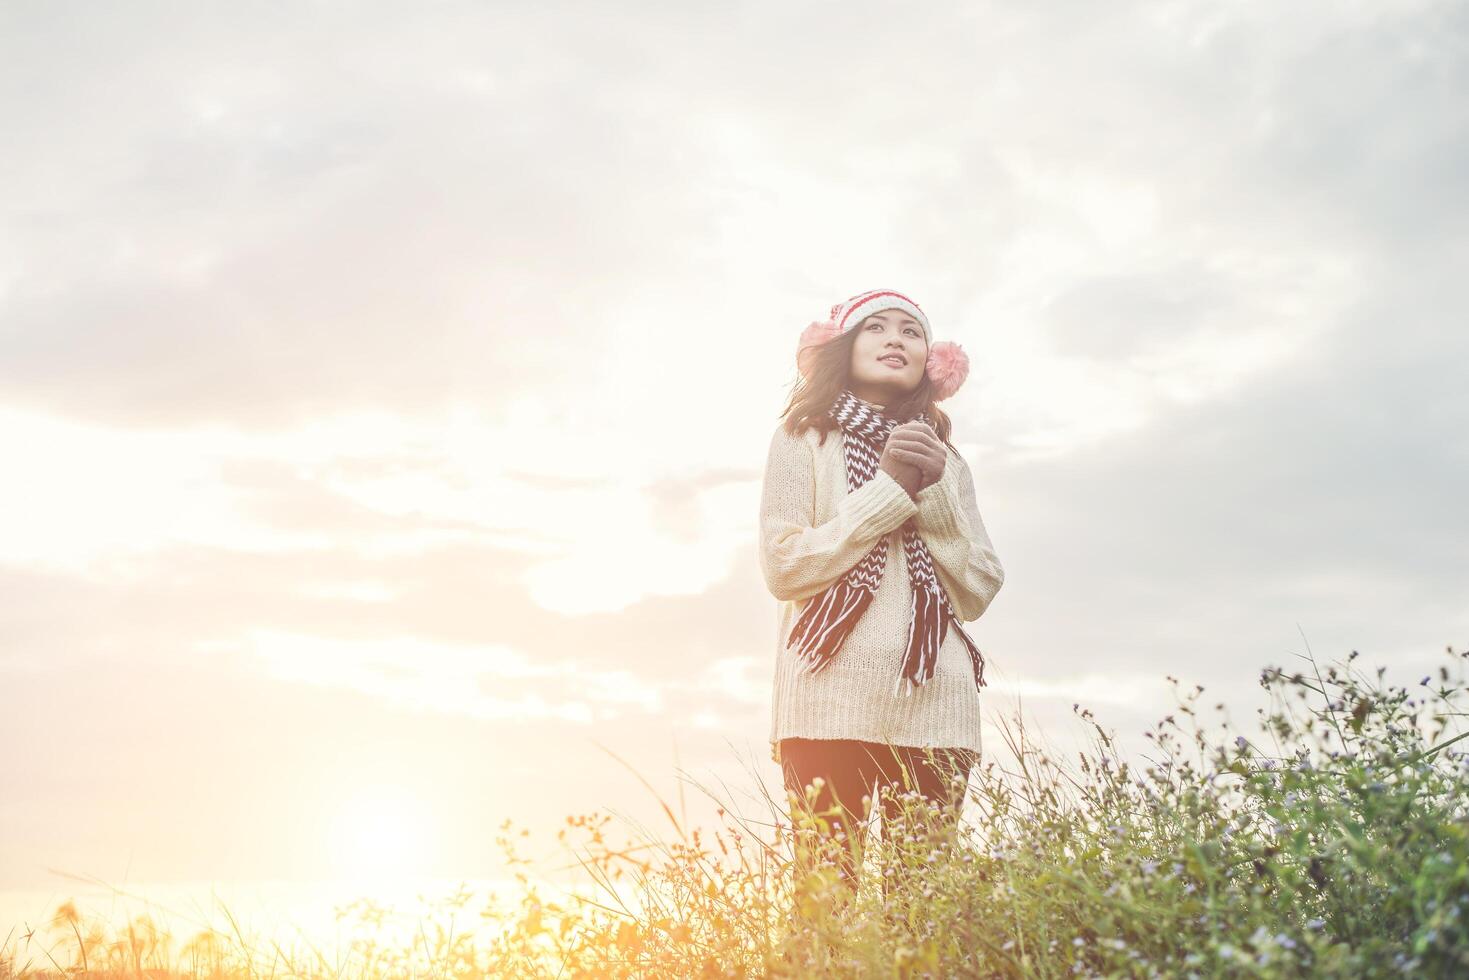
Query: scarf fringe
[
  {"x": 826, "y": 622},
  {"x": 976, "y": 659},
  {"x": 921, "y": 652},
  {"x": 906, "y": 685}
]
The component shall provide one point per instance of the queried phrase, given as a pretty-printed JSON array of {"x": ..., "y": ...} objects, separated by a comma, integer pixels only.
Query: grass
[{"x": 1336, "y": 845}]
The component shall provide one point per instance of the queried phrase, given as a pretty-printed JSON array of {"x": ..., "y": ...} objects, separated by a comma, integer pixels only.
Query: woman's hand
[
  {"x": 909, "y": 476},
  {"x": 917, "y": 445}
]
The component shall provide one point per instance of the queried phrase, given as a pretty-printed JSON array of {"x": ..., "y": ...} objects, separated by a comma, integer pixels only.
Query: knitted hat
[{"x": 947, "y": 365}]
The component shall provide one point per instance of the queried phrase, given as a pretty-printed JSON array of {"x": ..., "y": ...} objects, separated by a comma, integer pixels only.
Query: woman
[{"x": 873, "y": 544}]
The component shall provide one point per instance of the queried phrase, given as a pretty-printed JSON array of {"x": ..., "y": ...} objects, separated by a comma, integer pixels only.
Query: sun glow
[{"x": 381, "y": 833}]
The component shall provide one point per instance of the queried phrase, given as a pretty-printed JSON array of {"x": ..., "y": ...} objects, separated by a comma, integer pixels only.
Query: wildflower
[
  {"x": 1315, "y": 923},
  {"x": 1226, "y": 951}
]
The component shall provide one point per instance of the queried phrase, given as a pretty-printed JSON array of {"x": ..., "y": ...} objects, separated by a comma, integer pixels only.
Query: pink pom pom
[
  {"x": 817, "y": 333},
  {"x": 947, "y": 367}
]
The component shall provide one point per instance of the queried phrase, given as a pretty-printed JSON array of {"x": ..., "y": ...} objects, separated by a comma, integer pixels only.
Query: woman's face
[{"x": 888, "y": 356}]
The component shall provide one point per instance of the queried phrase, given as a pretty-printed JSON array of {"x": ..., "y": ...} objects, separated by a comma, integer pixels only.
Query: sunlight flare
[{"x": 380, "y": 833}]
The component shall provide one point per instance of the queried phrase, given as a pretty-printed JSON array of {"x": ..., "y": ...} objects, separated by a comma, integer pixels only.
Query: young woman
[{"x": 872, "y": 542}]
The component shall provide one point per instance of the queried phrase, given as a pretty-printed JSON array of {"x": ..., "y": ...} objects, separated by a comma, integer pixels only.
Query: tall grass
[{"x": 1335, "y": 843}]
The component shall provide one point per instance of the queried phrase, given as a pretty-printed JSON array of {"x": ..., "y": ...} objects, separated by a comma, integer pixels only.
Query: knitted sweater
[{"x": 812, "y": 530}]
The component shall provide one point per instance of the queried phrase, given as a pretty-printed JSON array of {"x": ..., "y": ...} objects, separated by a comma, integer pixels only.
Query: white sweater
[{"x": 811, "y": 532}]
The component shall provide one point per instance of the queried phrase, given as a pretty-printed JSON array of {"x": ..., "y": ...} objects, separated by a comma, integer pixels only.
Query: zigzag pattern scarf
[{"x": 829, "y": 617}]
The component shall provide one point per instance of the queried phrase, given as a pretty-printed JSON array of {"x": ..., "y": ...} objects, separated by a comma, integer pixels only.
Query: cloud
[{"x": 489, "y": 683}]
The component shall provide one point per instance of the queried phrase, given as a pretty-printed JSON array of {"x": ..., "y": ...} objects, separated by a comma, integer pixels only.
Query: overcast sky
[{"x": 384, "y": 388}]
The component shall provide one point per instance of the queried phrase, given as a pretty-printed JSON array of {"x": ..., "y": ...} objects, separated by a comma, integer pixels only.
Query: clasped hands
[{"x": 914, "y": 456}]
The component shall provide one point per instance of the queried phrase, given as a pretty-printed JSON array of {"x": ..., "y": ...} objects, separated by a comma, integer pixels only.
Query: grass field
[{"x": 1337, "y": 846}]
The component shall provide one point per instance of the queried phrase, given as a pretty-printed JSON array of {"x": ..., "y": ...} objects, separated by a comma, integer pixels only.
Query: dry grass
[{"x": 1341, "y": 849}]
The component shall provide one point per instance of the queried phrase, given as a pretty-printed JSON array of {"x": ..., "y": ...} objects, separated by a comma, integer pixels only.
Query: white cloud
[{"x": 487, "y": 682}]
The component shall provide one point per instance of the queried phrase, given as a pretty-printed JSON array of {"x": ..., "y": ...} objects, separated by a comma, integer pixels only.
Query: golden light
[{"x": 381, "y": 833}]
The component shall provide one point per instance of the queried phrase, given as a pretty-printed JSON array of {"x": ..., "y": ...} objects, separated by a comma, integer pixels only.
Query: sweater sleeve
[
  {"x": 799, "y": 558},
  {"x": 964, "y": 559}
]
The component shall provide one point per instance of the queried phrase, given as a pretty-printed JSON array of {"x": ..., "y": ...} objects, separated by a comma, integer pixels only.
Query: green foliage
[{"x": 1338, "y": 849}]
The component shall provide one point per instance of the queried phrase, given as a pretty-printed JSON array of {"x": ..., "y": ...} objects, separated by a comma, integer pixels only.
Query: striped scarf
[{"x": 830, "y": 616}]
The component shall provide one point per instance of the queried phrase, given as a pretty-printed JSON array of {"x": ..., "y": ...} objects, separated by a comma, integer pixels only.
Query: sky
[{"x": 385, "y": 388}]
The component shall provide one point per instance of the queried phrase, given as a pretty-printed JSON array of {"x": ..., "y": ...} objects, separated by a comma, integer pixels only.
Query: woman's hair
[{"x": 829, "y": 371}]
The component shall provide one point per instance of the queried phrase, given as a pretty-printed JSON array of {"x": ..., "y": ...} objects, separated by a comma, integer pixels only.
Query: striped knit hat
[{"x": 947, "y": 364}]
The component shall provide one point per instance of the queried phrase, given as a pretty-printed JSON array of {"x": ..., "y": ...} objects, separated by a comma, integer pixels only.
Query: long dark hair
[{"x": 830, "y": 367}]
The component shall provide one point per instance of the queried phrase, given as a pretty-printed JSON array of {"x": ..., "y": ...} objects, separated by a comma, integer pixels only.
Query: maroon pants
[{"x": 850, "y": 769}]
